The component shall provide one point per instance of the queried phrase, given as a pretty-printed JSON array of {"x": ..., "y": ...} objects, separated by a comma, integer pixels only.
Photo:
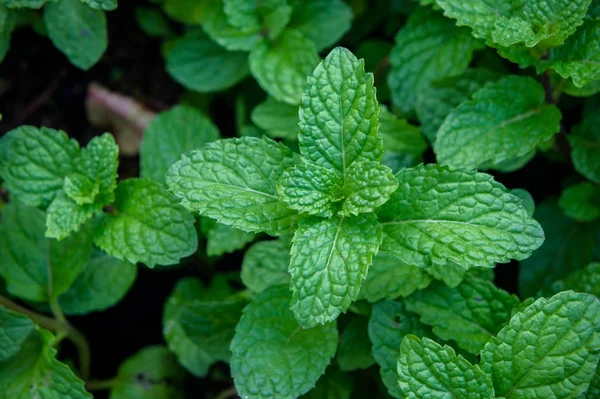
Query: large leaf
[{"x": 322, "y": 21}]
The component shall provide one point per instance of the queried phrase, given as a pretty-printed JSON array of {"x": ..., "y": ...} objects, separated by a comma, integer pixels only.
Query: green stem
[
  {"x": 228, "y": 393},
  {"x": 101, "y": 385}
]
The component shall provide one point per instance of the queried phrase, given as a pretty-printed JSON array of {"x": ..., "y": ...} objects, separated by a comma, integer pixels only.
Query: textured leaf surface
[
  {"x": 368, "y": 186},
  {"x": 107, "y": 5},
  {"x": 469, "y": 314},
  {"x": 400, "y": 138},
  {"x": 528, "y": 202},
  {"x": 222, "y": 239},
  {"x": 445, "y": 216},
  {"x": 338, "y": 114},
  {"x": 330, "y": 259},
  {"x": 36, "y": 268},
  {"x": 233, "y": 181},
  {"x": 505, "y": 120},
  {"x": 584, "y": 280},
  {"x": 428, "y": 48},
  {"x": 333, "y": 385},
  {"x": 522, "y": 359},
  {"x": 281, "y": 67},
  {"x": 77, "y": 30},
  {"x": 480, "y": 15},
  {"x": 266, "y": 264},
  {"x": 269, "y": 16},
  {"x": 569, "y": 246},
  {"x": 216, "y": 25},
  {"x": 426, "y": 369},
  {"x": 23, "y": 3},
  {"x": 390, "y": 278},
  {"x": 148, "y": 227},
  {"x": 581, "y": 202},
  {"x": 170, "y": 134},
  {"x": 200, "y": 64},
  {"x": 64, "y": 216},
  {"x": 152, "y": 373},
  {"x": 322, "y": 21},
  {"x": 390, "y": 322},
  {"x": 354, "y": 351},
  {"x": 273, "y": 357},
  {"x": 278, "y": 119},
  {"x": 15, "y": 330},
  {"x": 102, "y": 284}
]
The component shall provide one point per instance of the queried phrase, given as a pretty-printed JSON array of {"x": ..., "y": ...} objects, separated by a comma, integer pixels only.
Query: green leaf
[
  {"x": 8, "y": 22},
  {"x": 368, "y": 186},
  {"x": 390, "y": 322},
  {"x": 428, "y": 48},
  {"x": 233, "y": 181},
  {"x": 332, "y": 385},
  {"x": 267, "y": 17},
  {"x": 322, "y": 21},
  {"x": 426, "y": 369},
  {"x": 569, "y": 246},
  {"x": 581, "y": 202},
  {"x": 15, "y": 330},
  {"x": 216, "y": 25},
  {"x": 390, "y": 278},
  {"x": 77, "y": 30},
  {"x": 170, "y": 134},
  {"x": 148, "y": 226},
  {"x": 594, "y": 389},
  {"x": 584, "y": 280},
  {"x": 505, "y": 120},
  {"x": 222, "y": 239},
  {"x": 194, "y": 358},
  {"x": 210, "y": 325},
  {"x": 64, "y": 216},
  {"x": 354, "y": 350},
  {"x": 469, "y": 314},
  {"x": 281, "y": 67},
  {"x": 330, "y": 259},
  {"x": 36, "y": 4},
  {"x": 152, "y": 22},
  {"x": 107, "y": 5},
  {"x": 522, "y": 359},
  {"x": 273, "y": 357},
  {"x": 438, "y": 100},
  {"x": 585, "y": 150},
  {"x": 336, "y": 129},
  {"x": 151, "y": 373},
  {"x": 278, "y": 119},
  {"x": 266, "y": 264},
  {"x": 528, "y": 202},
  {"x": 200, "y": 64},
  {"x": 191, "y": 12},
  {"x": 36, "y": 268},
  {"x": 579, "y": 57},
  {"x": 34, "y": 372},
  {"x": 102, "y": 284},
  {"x": 36, "y": 162},
  {"x": 400, "y": 138},
  {"x": 444, "y": 216},
  {"x": 451, "y": 273}
]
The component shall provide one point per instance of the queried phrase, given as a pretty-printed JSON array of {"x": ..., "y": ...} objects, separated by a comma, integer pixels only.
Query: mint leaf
[
  {"x": 584, "y": 280},
  {"x": 272, "y": 356},
  {"x": 7, "y": 24},
  {"x": 403, "y": 142},
  {"x": 337, "y": 130},
  {"x": 581, "y": 202},
  {"x": 23, "y": 3},
  {"x": 368, "y": 186},
  {"x": 569, "y": 246},
  {"x": 233, "y": 181},
  {"x": 189, "y": 12},
  {"x": 354, "y": 350},
  {"x": 428, "y": 48},
  {"x": 266, "y": 264},
  {"x": 594, "y": 389},
  {"x": 585, "y": 150},
  {"x": 469, "y": 314},
  {"x": 437, "y": 101},
  {"x": 15, "y": 330},
  {"x": 332, "y": 385},
  {"x": 491, "y": 128},
  {"x": 419, "y": 219},
  {"x": 148, "y": 226},
  {"x": 281, "y": 67},
  {"x": 64, "y": 216},
  {"x": 171, "y": 133},
  {"x": 330, "y": 259},
  {"x": 36, "y": 268},
  {"x": 200, "y": 64},
  {"x": 479, "y": 15},
  {"x": 222, "y": 239},
  {"x": 36, "y": 162},
  {"x": 152, "y": 22},
  {"x": 425, "y": 369},
  {"x": 451, "y": 273},
  {"x": 522, "y": 358},
  {"x": 216, "y": 25},
  {"x": 390, "y": 278},
  {"x": 528, "y": 202},
  {"x": 102, "y": 284},
  {"x": 278, "y": 119},
  {"x": 150, "y": 373},
  {"x": 322, "y": 21},
  {"x": 271, "y": 16},
  {"x": 77, "y": 30},
  {"x": 107, "y": 5},
  {"x": 390, "y": 322}
]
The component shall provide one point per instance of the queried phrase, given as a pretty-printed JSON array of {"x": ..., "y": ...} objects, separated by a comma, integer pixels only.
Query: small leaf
[
  {"x": 281, "y": 67},
  {"x": 148, "y": 226},
  {"x": 270, "y": 16},
  {"x": 528, "y": 202},
  {"x": 330, "y": 259},
  {"x": 222, "y": 239},
  {"x": 368, "y": 186},
  {"x": 77, "y": 30},
  {"x": 15, "y": 330},
  {"x": 216, "y": 25},
  {"x": 233, "y": 181},
  {"x": 191, "y": 12},
  {"x": 266, "y": 264},
  {"x": 354, "y": 351},
  {"x": 469, "y": 314},
  {"x": 322, "y": 21},
  {"x": 273, "y": 357},
  {"x": 581, "y": 202},
  {"x": 522, "y": 358},
  {"x": 585, "y": 150},
  {"x": 445, "y": 216},
  {"x": 278, "y": 119},
  {"x": 505, "y": 120},
  {"x": 106, "y": 5},
  {"x": 200, "y": 64},
  {"x": 426, "y": 369},
  {"x": 172, "y": 133},
  {"x": 64, "y": 216}
]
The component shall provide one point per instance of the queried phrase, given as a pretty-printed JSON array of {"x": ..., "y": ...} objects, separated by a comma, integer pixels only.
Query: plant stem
[
  {"x": 228, "y": 393},
  {"x": 100, "y": 385},
  {"x": 551, "y": 97}
]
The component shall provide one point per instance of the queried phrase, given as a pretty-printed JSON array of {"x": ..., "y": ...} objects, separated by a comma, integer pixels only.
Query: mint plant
[{"x": 411, "y": 218}]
